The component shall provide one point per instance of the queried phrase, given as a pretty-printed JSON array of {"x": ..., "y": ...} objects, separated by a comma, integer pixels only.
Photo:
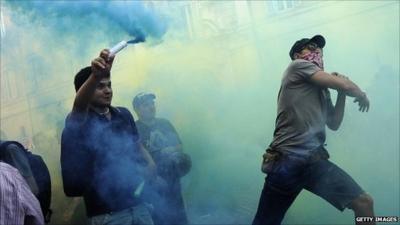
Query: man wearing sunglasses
[{"x": 296, "y": 159}]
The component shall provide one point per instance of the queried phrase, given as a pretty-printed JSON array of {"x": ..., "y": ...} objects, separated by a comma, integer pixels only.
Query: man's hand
[
  {"x": 101, "y": 66},
  {"x": 363, "y": 102}
]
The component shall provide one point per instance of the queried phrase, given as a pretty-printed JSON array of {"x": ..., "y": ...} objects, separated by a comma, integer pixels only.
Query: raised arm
[
  {"x": 342, "y": 84},
  {"x": 101, "y": 67}
]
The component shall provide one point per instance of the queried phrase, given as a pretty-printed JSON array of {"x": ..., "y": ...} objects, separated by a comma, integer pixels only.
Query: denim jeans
[
  {"x": 137, "y": 215},
  {"x": 292, "y": 174}
]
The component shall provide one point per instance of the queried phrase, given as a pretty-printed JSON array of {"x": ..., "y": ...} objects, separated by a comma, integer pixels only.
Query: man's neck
[{"x": 104, "y": 111}]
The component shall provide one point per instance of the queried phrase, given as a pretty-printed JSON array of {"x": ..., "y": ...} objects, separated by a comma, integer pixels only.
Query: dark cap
[
  {"x": 142, "y": 97},
  {"x": 300, "y": 44}
]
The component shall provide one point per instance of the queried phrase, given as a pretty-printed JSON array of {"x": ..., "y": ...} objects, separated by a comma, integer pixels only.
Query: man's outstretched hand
[{"x": 363, "y": 102}]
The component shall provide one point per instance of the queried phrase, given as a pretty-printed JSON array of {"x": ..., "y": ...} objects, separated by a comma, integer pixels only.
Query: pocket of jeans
[
  {"x": 287, "y": 173},
  {"x": 270, "y": 160},
  {"x": 291, "y": 167}
]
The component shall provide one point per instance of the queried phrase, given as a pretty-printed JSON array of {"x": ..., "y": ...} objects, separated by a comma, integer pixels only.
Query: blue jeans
[{"x": 137, "y": 215}]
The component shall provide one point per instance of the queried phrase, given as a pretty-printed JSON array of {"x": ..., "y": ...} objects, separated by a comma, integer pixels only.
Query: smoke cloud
[
  {"x": 216, "y": 76},
  {"x": 130, "y": 16}
]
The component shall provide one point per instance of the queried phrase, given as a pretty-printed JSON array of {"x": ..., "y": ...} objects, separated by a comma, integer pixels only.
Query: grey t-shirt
[{"x": 302, "y": 110}]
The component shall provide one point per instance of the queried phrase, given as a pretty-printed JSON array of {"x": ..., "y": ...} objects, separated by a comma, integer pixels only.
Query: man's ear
[{"x": 296, "y": 55}]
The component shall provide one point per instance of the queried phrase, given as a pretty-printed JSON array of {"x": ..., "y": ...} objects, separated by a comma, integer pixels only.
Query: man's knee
[{"x": 364, "y": 201}]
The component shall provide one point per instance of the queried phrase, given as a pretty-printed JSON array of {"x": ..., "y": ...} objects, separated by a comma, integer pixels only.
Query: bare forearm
[
  {"x": 100, "y": 68},
  {"x": 348, "y": 87},
  {"x": 353, "y": 90},
  {"x": 337, "y": 82},
  {"x": 341, "y": 84},
  {"x": 84, "y": 94},
  {"x": 339, "y": 109}
]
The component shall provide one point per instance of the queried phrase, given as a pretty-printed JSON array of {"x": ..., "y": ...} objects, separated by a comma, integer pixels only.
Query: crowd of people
[{"x": 128, "y": 171}]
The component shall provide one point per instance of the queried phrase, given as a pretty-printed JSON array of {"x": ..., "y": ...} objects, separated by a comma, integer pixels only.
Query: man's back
[{"x": 17, "y": 203}]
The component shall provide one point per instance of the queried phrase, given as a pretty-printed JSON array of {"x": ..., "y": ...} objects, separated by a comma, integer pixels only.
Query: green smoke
[{"x": 216, "y": 76}]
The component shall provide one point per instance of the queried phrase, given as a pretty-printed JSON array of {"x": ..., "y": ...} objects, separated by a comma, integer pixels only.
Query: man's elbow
[
  {"x": 345, "y": 87},
  {"x": 79, "y": 108},
  {"x": 333, "y": 126},
  {"x": 73, "y": 185}
]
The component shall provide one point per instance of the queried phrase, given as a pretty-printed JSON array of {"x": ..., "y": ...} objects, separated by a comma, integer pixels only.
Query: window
[
  {"x": 9, "y": 87},
  {"x": 282, "y": 6}
]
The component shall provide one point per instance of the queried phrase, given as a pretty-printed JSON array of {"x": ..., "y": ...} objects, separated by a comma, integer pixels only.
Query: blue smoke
[{"x": 132, "y": 17}]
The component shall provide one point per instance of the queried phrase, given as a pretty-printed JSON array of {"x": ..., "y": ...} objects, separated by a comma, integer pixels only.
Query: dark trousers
[
  {"x": 290, "y": 175},
  {"x": 273, "y": 206}
]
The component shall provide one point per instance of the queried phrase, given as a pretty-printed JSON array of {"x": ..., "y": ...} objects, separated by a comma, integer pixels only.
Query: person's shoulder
[
  {"x": 15, "y": 146},
  {"x": 162, "y": 121},
  {"x": 11, "y": 175},
  {"x": 301, "y": 68},
  {"x": 120, "y": 109},
  {"x": 123, "y": 113},
  {"x": 11, "y": 146},
  {"x": 74, "y": 120},
  {"x": 7, "y": 168},
  {"x": 299, "y": 63}
]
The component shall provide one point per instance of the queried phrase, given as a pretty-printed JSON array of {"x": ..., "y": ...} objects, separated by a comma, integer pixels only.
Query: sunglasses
[{"x": 310, "y": 46}]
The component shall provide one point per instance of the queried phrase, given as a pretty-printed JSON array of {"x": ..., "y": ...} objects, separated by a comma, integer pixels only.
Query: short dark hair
[
  {"x": 82, "y": 76},
  {"x": 140, "y": 98}
]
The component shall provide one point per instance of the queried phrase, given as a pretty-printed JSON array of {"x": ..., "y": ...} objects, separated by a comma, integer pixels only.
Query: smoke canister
[{"x": 118, "y": 47}]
